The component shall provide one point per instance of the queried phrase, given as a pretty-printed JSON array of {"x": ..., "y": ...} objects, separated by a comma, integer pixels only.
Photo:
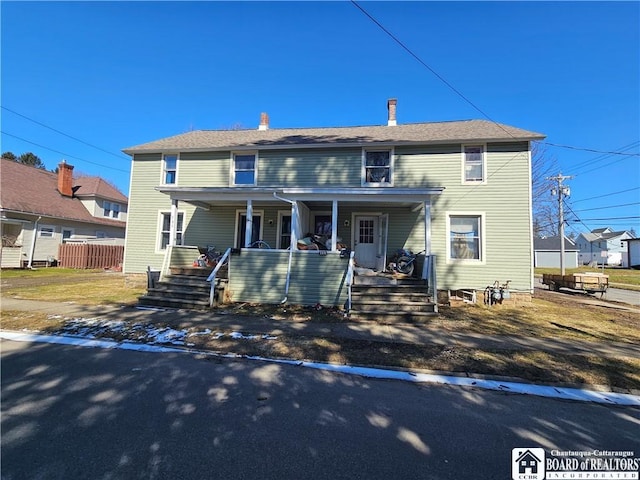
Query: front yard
[{"x": 550, "y": 315}]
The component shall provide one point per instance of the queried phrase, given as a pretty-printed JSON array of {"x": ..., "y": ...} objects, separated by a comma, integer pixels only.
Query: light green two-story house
[{"x": 458, "y": 192}]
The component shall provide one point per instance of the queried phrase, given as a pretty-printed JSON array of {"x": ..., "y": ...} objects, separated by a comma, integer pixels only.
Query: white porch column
[
  {"x": 248, "y": 233},
  {"x": 334, "y": 226},
  {"x": 427, "y": 227},
  {"x": 295, "y": 224},
  {"x": 173, "y": 222}
]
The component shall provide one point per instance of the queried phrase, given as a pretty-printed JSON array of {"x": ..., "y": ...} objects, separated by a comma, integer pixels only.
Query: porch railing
[
  {"x": 212, "y": 276},
  {"x": 429, "y": 275},
  {"x": 349, "y": 280}
]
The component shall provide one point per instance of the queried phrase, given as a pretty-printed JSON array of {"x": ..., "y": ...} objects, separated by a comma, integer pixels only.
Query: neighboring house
[
  {"x": 633, "y": 253},
  {"x": 547, "y": 253},
  {"x": 39, "y": 210},
  {"x": 459, "y": 191},
  {"x": 603, "y": 245}
]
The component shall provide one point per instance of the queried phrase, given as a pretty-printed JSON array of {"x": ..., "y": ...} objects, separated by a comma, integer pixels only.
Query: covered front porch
[{"x": 353, "y": 230}]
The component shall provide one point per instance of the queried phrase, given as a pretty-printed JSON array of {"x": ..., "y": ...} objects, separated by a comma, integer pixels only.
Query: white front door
[{"x": 366, "y": 241}]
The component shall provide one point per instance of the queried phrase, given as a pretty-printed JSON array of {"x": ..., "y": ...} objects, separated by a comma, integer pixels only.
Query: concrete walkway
[{"x": 363, "y": 331}]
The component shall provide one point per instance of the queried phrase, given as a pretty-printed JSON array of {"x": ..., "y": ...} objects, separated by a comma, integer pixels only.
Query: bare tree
[{"x": 545, "y": 206}]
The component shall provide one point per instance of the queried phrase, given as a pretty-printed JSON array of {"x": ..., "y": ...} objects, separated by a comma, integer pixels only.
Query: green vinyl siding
[
  {"x": 145, "y": 203},
  {"x": 310, "y": 168},
  {"x": 503, "y": 200},
  {"x": 259, "y": 276},
  {"x": 204, "y": 169}
]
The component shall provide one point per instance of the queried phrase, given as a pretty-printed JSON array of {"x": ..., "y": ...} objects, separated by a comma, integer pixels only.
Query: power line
[
  {"x": 610, "y": 206},
  {"x": 602, "y": 166},
  {"x": 424, "y": 64},
  {"x": 606, "y": 195},
  {"x": 591, "y": 150},
  {"x": 610, "y": 218},
  {"x": 62, "y": 153},
  {"x": 62, "y": 133}
]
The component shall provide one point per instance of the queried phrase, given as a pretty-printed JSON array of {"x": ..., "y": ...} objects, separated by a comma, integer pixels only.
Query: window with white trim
[
  {"x": 165, "y": 229},
  {"x": 465, "y": 237},
  {"x": 115, "y": 210},
  {"x": 377, "y": 167},
  {"x": 46, "y": 231},
  {"x": 473, "y": 163},
  {"x": 169, "y": 169},
  {"x": 244, "y": 169}
]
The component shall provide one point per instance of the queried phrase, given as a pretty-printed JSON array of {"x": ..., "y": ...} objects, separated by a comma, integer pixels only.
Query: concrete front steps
[
  {"x": 403, "y": 300},
  {"x": 186, "y": 288}
]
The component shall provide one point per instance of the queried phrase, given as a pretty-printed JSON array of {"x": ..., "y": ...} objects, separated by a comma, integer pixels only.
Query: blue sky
[{"x": 116, "y": 74}]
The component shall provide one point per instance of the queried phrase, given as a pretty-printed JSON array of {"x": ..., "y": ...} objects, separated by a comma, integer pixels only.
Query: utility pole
[{"x": 562, "y": 191}]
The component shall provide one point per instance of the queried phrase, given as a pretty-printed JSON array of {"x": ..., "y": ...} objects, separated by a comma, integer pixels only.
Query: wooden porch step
[
  {"x": 393, "y": 317},
  {"x": 183, "y": 290},
  {"x": 381, "y": 306},
  {"x": 163, "y": 301}
]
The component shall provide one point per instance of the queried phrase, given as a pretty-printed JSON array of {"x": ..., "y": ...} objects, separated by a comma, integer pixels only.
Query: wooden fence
[{"x": 90, "y": 256}]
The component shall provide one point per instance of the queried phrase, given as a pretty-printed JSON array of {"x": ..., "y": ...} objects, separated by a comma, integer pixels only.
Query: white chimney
[
  {"x": 391, "y": 106},
  {"x": 264, "y": 122}
]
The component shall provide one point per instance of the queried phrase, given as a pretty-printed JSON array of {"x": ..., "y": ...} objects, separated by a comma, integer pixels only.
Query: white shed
[{"x": 633, "y": 253}]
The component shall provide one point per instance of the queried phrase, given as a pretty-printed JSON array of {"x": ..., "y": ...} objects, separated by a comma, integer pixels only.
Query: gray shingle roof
[
  {"x": 553, "y": 244},
  {"x": 414, "y": 133}
]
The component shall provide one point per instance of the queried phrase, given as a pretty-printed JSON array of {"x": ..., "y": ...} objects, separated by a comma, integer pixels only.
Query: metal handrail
[
  {"x": 212, "y": 276},
  {"x": 429, "y": 274},
  {"x": 349, "y": 279}
]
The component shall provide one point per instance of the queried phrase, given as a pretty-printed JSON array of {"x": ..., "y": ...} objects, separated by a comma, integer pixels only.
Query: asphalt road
[{"x": 79, "y": 413}]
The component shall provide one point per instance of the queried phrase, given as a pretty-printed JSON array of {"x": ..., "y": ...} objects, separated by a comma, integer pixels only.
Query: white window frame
[
  {"x": 163, "y": 179},
  {"x": 49, "y": 229},
  {"x": 160, "y": 231},
  {"x": 106, "y": 208},
  {"x": 463, "y": 154},
  {"x": 232, "y": 169},
  {"x": 71, "y": 233},
  {"x": 115, "y": 210},
  {"x": 281, "y": 214},
  {"x": 256, "y": 213},
  {"x": 363, "y": 173},
  {"x": 482, "y": 243}
]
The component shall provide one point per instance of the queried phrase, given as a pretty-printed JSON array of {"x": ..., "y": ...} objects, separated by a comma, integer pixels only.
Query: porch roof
[{"x": 206, "y": 196}]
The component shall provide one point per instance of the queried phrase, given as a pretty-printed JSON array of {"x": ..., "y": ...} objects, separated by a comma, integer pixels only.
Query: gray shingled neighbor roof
[
  {"x": 553, "y": 244},
  {"x": 413, "y": 133}
]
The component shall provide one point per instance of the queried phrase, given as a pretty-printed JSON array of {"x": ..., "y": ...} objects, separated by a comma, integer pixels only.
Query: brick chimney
[
  {"x": 65, "y": 179},
  {"x": 264, "y": 122},
  {"x": 391, "y": 106}
]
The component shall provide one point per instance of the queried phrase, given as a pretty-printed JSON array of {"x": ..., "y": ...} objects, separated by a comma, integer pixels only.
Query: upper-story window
[
  {"x": 377, "y": 167},
  {"x": 169, "y": 169},
  {"x": 111, "y": 209},
  {"x": 244, "y": 169},
  {"x": 473, "y": 164}
]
